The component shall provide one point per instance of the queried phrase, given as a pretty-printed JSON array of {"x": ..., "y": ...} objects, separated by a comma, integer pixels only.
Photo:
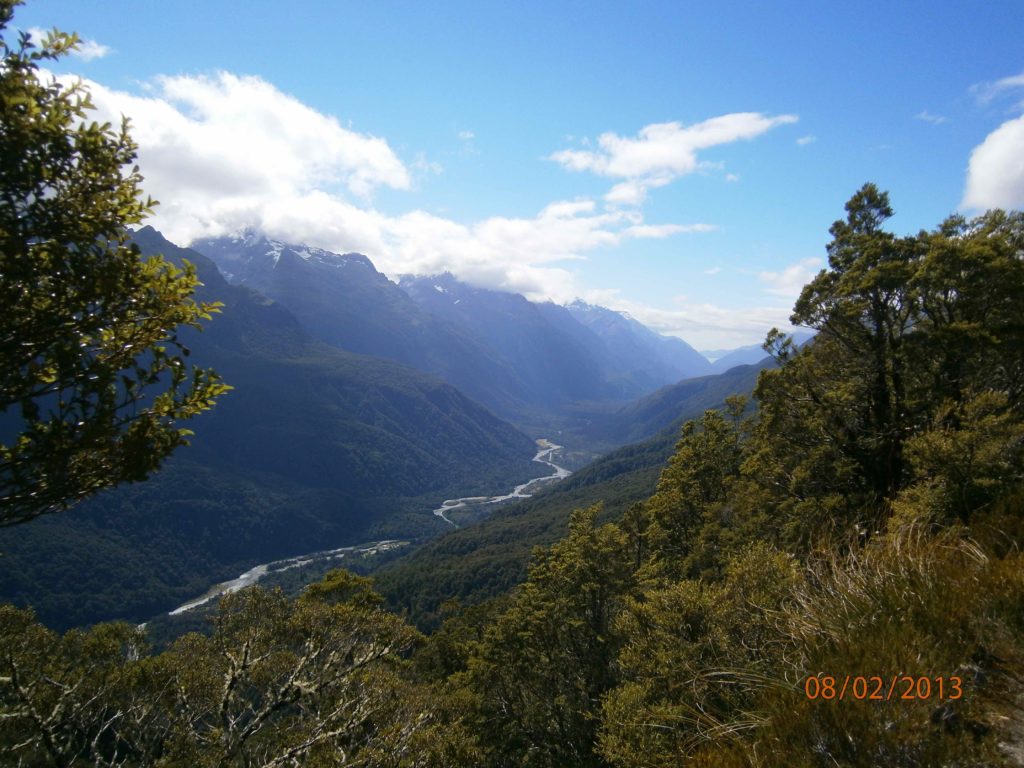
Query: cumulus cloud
[
  {"x": 87, "y": 50},
  {"x": 995, "y": 174},
  {"x": 791, "y": 280},
  {"x": 224, "y": 152},
  {"x": 662, "y": 152},
  {"x": 803, "y": 141},
  {"x": 219, "y": 150}
]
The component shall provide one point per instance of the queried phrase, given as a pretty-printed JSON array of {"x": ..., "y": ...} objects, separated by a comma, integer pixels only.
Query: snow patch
[{"x": 275, "y": 251}]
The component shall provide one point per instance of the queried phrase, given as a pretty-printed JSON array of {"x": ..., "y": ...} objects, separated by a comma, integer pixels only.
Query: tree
[
  {"x": 317, "y": 681},
  {"x": 537, "y": 676},
  {"x": 692, "y": 489},
  {"x": 915, "y": 334},
  {"x": 93, "y": 378},
  {"x": 863, "y": 302}
]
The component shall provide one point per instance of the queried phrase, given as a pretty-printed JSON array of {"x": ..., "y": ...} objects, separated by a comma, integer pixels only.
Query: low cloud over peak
[{"x": 222, "y": 152}]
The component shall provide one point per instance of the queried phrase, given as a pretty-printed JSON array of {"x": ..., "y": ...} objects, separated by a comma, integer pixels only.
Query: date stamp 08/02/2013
[{"x": 887, "y": 688}]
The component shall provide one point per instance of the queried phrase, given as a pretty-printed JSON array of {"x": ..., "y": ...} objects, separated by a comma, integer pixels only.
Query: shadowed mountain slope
[{"x": 313, "y": 449}]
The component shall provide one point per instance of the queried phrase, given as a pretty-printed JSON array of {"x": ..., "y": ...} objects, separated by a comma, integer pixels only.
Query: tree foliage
[
  {"x": 315, "y": 681},
  {"x": 93, "y": 377},
  {"x": 538, "y": 674}
]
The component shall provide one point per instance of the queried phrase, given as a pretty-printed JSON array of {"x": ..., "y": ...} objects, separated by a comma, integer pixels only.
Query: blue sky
[{"x": 681, "y": 161}]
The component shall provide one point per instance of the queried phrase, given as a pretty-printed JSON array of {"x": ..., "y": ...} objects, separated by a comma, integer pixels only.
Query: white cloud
[
  {"x": 662, "y": 152},
  {"x": 665, "y": 230},
  {"x": 217, "y": 150},
  {"x": 791, "y": 280},
  {"x": 985, "y": 92},
  {"x": 803, "y": 141},
  {"x": 995, "y": 174},
  {"x": 928, "y": 117},
  {"x": 627, "y": 193},
  {"x": 224, "y": 152},
  {"x": 712, "y": 271},
  {"x": 666, "y": 149},
  {"x": 732, "y": 177},
  {"x": 467, "y": 135},
  {"x": 87, "y": 50},
  {"x": 704, "y": 325},
  {"x": 90, "y": 49}
]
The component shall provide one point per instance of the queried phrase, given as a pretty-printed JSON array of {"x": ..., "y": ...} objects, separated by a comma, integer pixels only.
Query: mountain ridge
[{"x": 314, "y": 448}]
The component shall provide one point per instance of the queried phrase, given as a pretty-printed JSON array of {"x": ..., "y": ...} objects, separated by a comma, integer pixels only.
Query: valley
[
  {"x": 255, "y": 574},
  {"x": 468, "y": 509},
  {"x": 320, "y": 446}
]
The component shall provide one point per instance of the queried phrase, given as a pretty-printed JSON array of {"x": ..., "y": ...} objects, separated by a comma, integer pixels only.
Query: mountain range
[
  {"x": 531, "y": 363},
  {"x": 314, "y": 448},
  {"x": 572, "y": 353},
  {"x": 359, "y": 404}
]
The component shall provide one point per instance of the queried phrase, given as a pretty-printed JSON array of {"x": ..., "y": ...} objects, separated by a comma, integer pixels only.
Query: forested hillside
[
  {"x": 831, "y": 578},
  {"x": 836, "y": 580},
  {"x": 487, "y": 559},
  {"x": 314, "y": 448}
]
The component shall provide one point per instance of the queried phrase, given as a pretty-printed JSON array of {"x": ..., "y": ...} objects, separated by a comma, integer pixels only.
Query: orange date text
[{"x": 879, "y": 688}]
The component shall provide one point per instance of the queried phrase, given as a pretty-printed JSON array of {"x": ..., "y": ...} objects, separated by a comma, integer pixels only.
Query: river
[
  {"x": 545, "y": 452},
  {"x": 256, "y": 573}
]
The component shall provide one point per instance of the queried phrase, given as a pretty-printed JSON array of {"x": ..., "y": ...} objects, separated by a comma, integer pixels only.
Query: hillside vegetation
[
  {"x": 314, "y": 448},
  {"x": 487, "y": 559}
]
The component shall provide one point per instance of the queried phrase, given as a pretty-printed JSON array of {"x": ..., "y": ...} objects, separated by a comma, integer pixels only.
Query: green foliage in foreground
[
  {"x": 317, "y": 681},
  {"x": 93, "y": 377}
]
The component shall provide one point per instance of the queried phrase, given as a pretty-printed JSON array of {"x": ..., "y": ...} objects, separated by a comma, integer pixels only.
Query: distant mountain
[
  {"x": 343, "y": 300},
  {"x": 532, "y": 363},
  {"x": 724, "y": 359},
  {"x": 314, "y": 448},
  {"x": 639, "y": 350},
  {"x": 556, "y": 366},
  {"x": 651, "y": 414},
  {"x": 566, "y": 354}
]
